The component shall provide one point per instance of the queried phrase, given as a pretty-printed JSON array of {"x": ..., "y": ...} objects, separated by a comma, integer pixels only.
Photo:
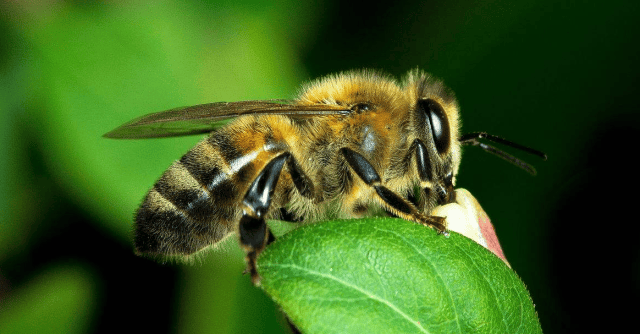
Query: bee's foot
[
  {"x": 437, "y": 223},
  {"x": 252, "y": 269}
]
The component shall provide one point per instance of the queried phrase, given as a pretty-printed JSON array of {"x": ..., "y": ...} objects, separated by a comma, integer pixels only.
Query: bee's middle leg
[
  {"x": 305, "y": 188},
  {"x": 396, "y": 203}
]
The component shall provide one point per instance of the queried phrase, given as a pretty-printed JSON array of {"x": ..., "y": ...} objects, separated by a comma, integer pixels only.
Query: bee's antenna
[{"x": 472, "y": 139}]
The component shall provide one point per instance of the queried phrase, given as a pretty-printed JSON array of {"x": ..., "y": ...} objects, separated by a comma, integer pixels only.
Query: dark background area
[{"x": 559, "y": 76}]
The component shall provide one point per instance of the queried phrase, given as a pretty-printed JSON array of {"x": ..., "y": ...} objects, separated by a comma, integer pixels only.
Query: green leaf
[{"x": 388, "y": 275}]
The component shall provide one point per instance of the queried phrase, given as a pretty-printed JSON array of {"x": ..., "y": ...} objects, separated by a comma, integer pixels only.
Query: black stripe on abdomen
[{"x": 180, "y": 216}]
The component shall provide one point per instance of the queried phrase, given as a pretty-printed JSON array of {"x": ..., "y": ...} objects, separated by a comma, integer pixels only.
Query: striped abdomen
[{"x": 195, "y": 202}]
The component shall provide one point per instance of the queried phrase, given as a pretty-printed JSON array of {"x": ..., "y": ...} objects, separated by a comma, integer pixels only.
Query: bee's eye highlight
[
  {"x": 439, "y": 123},
  {"x": 360, "y": 107}
]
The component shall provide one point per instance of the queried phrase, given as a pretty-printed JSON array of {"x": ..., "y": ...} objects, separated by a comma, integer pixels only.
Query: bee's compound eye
[
  {"x": 448, "y": 180},
  {"x": 439, "y": 123}
]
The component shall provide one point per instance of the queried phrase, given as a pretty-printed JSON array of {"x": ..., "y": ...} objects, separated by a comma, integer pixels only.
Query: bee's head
[{"x": 435, "y": 123}]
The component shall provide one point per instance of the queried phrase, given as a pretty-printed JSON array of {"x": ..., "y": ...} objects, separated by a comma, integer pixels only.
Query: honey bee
[{"x": 348, "y": 143}]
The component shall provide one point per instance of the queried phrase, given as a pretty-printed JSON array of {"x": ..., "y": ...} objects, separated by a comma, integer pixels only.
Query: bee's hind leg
[
  {"x": 254, "y": 232},
  {"x": 253, "y": 229}
]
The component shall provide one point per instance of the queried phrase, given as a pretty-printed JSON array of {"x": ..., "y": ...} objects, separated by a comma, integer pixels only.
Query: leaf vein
[
  {"x": 354, "y": 287},
  {"x": 493, "y": 291},
  {"x": 453, "y": 304}
]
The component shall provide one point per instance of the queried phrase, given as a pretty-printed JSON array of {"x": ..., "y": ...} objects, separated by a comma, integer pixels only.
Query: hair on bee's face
[{"x": 435, "y": 115}]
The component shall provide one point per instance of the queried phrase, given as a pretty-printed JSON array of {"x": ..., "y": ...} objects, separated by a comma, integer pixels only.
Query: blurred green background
[{"x": 560, "y": 76}]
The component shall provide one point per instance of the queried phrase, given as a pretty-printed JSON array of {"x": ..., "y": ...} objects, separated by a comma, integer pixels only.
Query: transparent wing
[{"x": 208, "y": 117}]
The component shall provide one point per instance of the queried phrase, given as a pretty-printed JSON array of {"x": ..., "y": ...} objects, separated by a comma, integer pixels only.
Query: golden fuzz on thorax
[{"x": 353, "y": 87}]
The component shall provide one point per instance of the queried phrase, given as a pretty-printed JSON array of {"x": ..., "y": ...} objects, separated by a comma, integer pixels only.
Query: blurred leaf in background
[
  {"x": 82, "y": 70},
  {"x": 559, "y": 76},
  {"x": 58, "y": 300}
]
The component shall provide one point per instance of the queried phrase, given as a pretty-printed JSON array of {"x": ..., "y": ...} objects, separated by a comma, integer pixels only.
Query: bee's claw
[
  {"x": 437, "y": 223},
  {"x": 252, "y": 268}
]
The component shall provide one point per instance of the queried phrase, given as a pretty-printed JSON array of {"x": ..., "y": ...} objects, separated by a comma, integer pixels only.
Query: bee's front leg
[
  {"x": 394, "y": 202},
  {"x": 443, "y": 192},
  {"x": 253, "y": 229}
]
